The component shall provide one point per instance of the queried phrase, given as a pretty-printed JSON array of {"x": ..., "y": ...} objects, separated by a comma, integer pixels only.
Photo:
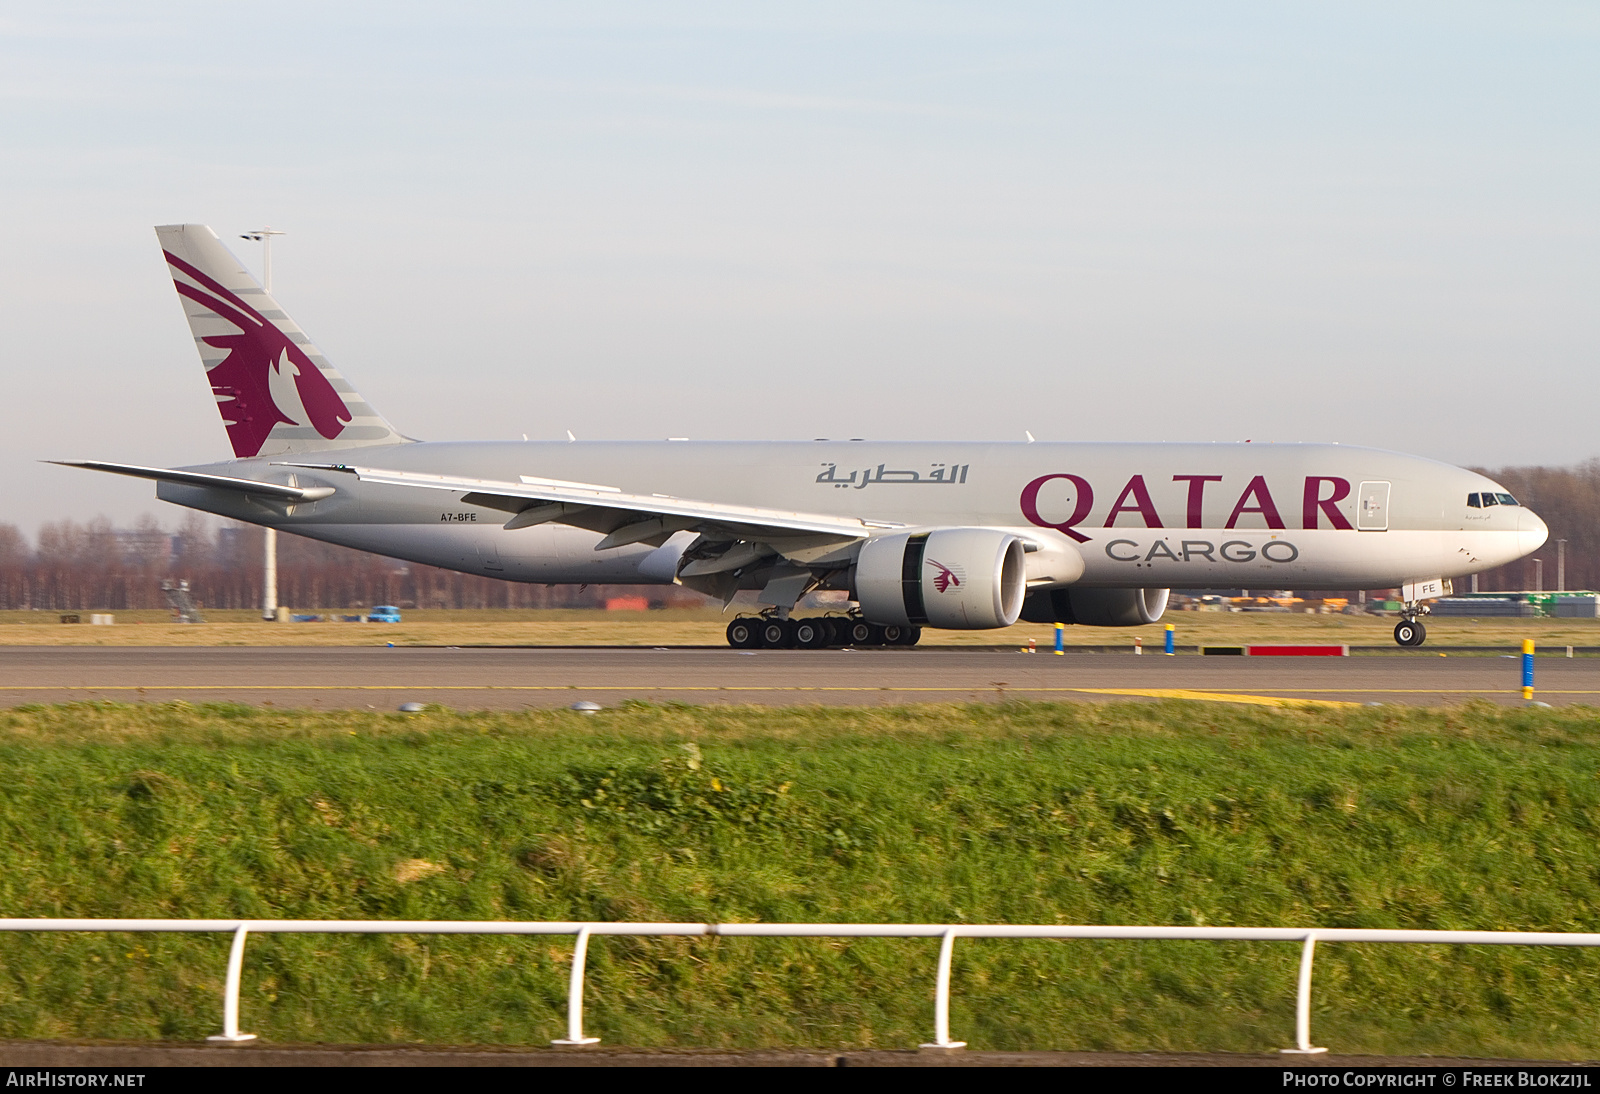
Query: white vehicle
[{"x": 953, "y": 535}]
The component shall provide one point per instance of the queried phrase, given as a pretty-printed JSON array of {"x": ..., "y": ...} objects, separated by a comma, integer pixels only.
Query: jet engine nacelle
[
  {"x": 1096, "y": 607},
  {"x": 956, "y": 578}
]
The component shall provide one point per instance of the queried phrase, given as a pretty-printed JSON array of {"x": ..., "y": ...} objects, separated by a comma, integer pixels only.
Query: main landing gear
[{"x": 815, "y": 633}]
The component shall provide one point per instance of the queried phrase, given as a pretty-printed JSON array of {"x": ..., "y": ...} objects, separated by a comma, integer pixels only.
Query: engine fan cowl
[{"x": 955, "y": 578}]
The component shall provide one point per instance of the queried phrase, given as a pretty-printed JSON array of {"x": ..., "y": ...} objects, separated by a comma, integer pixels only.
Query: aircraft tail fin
[{"x": 277, "y": 393}]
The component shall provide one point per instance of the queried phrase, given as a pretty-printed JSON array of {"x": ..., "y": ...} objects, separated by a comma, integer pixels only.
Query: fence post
[
  {"x": 230, "y": 992},
  {"x": 1302, "y": 1003},
  {"x": 580, "y": 952},
  {"x": 941, "y": 996}
]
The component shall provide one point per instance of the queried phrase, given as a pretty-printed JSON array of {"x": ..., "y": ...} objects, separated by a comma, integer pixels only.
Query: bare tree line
[
  {"x": 1568, "y": 498},
  {"x": 93, "y": 566}
]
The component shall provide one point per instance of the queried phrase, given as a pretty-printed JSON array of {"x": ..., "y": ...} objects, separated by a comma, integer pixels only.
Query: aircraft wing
[
  {"x": 215, "y": 482},
  {"x": 624, "y": 518}
]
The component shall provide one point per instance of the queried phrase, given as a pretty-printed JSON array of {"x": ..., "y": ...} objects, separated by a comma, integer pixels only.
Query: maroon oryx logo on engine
[{"x": 945, "y": 578}]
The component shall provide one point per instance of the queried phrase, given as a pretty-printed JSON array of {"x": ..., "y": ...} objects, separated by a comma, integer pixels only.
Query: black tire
[
  {"x": 862, "y": 633},
  {"x": 893, "y": 634},
  {"x": 836, "y": 631},
  {"x": 743, "y": 634},
  {"x": 910, "y": 636},
  {"x": 1410, "y": 633},
  {"x": 777, "y": 634},
  {"x": 811, "y": 634}
]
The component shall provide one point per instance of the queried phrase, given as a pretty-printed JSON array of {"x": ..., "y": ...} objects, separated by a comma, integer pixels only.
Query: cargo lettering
[{"x": 1233, "y": 550}]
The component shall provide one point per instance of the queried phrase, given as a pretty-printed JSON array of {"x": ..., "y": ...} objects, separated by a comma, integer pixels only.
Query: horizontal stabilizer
[{"x": 215, "y": 482}]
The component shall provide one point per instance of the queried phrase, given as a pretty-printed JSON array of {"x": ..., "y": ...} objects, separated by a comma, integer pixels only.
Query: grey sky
[{"x": 1371, "y": 223}]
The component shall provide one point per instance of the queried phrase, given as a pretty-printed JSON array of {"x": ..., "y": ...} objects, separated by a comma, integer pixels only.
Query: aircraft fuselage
[{"x": 1278, "y": 516}]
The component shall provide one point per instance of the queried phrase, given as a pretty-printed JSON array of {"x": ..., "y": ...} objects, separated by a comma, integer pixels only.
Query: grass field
[
  {"x": 705, "y": 628},
  {"x": 1162, "y": 813}
]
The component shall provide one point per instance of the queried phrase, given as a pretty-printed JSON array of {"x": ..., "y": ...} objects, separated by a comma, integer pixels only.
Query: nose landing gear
[{"x": 1409, "y": 632}]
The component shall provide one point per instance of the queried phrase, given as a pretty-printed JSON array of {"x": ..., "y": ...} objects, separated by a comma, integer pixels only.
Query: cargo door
[{"x": 1372, "y": 514}]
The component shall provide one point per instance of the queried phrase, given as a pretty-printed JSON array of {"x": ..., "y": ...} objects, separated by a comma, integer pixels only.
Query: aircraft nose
[{"x": 1531, "y": 532}]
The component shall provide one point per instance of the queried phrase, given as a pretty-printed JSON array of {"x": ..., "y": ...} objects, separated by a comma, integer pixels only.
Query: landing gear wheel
[
  {"x": 811, "y": 634},
  {"x": 909, "y": 636},
  {"x": 777, "y": 634},
  {"x": 743, "y": 635},
  {"x": 1410, "y": 633},
  {"x": 893, "y": 635},
  {"x": 862, "y": 633}
]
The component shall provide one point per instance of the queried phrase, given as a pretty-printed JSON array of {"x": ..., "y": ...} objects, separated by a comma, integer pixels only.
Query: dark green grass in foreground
[{"x": 1169, "y": 813}]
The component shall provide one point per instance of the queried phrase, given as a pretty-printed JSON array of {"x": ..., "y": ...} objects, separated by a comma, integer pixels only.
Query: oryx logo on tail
[{"x": 265, "y": 380}]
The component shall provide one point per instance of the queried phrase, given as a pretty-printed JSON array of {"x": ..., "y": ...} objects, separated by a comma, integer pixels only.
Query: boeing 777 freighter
[{"x": 943, "y": 534}]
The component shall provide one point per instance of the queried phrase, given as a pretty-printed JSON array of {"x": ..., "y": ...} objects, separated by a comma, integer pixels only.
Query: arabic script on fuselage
[{"x": 942, "y": 474}]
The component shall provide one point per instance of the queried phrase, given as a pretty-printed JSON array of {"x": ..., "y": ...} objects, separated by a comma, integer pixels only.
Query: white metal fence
[{"x": 946, "y": 933}]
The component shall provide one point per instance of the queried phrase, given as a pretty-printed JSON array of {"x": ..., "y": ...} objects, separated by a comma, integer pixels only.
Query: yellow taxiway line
[{"x": 1212, "y": 696}]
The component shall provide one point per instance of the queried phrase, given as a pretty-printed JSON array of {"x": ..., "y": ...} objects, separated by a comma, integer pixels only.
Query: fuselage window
[
  {"x": 1472, "y": 502},
  {"x": 1488, "y": 500},
  {"x": 1506, "y": 499}
]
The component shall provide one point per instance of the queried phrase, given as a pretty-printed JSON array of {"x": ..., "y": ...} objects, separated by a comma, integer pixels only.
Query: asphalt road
[{"x": 513, "y": 679}]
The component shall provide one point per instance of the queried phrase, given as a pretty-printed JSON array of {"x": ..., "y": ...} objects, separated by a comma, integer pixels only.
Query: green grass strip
[{"x": 1474, "y": 817}]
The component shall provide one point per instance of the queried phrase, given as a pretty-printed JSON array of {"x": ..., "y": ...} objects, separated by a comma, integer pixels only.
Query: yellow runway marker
[
  {"x": 1213, "y": 697},
  {"x": 1430, "y": 691}
]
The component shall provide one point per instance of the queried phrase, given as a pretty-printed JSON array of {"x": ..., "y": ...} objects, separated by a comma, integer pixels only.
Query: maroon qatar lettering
[
  {"x": 1197, "y": 496},
  {"x": 1315, "y": 502},
  {"x": 1140, "y": 493},
  {"x": 1264, "y": 504},
  {"x": 1320, "y": 503},
  {"x": 1083, "y": 501}
]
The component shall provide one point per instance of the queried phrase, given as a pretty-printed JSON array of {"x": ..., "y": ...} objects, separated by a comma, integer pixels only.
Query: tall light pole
[
  {"x": 1561, "y": 565},
  {"x": 269, "y": 567},
  {"x": 1538, "y": 575}
]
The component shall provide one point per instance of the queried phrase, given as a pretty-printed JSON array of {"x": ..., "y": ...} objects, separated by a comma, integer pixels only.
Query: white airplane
[{"x": 955, "y": 535}]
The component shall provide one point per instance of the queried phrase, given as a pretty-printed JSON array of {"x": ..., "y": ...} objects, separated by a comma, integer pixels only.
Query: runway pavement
[{"x": 519, "y": 678}]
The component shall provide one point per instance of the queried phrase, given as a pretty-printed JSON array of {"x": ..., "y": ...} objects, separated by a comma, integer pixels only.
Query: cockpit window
[
  {"x": 1472, "y": 502},
  {"x": 1506, "y": 499},
  {"x": 1489, "y": 499}
]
